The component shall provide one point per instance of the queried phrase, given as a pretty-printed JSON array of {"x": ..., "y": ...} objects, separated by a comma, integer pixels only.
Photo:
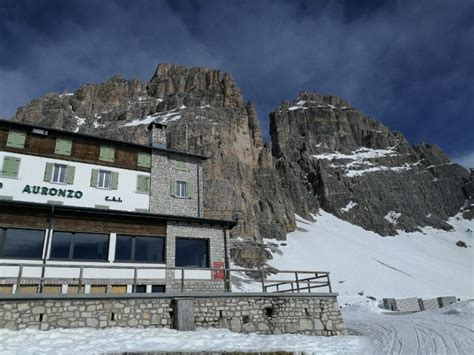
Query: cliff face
[
  {"x": 323, "y": 153},
  {"x": 331, "y": 155}
]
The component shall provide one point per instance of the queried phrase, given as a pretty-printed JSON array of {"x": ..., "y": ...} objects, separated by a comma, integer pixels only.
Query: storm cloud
[{"x": 407, "y": 63}]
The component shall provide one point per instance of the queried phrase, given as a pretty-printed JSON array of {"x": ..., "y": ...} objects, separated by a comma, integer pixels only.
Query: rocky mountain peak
[{"x": 195, "y": 86}]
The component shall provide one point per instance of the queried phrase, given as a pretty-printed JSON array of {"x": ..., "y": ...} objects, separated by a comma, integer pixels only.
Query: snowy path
[{"x": 449, "y": 331}]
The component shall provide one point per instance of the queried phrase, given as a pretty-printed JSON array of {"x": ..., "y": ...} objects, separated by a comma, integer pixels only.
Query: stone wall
[
  {"x": 315, "y": 314},
  {"x": 214, "y": 234},
  {"x": 164, "y": 172}
]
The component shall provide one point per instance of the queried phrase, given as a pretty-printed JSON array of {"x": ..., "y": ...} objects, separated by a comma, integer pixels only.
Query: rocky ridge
[
  {"x": 323, "y": 153},
  {"x": 330, "y": 155}
]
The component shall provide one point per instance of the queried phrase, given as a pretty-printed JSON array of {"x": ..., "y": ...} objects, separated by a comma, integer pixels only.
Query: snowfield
[
  {"x": 118, "y": 340},
  {"x": 424, "y": 264}
]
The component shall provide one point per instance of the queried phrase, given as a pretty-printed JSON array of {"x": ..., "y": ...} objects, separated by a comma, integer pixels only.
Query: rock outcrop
[{"x": 331, "y": 155}]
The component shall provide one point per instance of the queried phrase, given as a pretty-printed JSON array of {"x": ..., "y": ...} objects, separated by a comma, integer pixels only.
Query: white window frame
[
  {"x": 101, "y": 182},
  {"x": 181, "y": 189},
  {"x": 56, "y": 178}
]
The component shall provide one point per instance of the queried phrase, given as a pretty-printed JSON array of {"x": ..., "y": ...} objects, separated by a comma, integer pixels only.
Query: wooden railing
[{"x": 267, "y": 279}]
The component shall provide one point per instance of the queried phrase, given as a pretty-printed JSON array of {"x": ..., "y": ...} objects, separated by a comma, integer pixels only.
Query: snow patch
[
  {"x": 360, "y": 154},
  {"x": 349, "y": 206},
  {"x": 79, "y": 122},
  {"x": 392, "y": 217},
  {"x": 67, "y": 94},
  {"x": 156, "y": 117}
]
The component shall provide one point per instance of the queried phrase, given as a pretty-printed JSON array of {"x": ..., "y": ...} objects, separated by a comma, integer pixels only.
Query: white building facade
[{"x": 82, "y": 214}]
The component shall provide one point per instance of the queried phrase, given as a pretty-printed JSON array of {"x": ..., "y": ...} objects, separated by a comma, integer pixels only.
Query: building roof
[
  {"x": 141, "y": 215},
  {"x": 89, "y": 136}
]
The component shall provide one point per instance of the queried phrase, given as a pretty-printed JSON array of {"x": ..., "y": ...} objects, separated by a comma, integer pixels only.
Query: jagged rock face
[
  {"x": 331, "y": 155},
  {"x": 205, "y": 114}
]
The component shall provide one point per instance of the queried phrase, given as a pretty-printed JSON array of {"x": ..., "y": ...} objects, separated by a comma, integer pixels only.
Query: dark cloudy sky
[{"x": 408, "y": 63}]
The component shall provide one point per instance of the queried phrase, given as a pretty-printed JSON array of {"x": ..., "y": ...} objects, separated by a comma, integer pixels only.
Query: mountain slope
[{"x": 418, "y": 264}]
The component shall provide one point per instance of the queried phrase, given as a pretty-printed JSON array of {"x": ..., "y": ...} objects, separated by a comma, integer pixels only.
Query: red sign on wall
[{"x": 218, "y": 274}]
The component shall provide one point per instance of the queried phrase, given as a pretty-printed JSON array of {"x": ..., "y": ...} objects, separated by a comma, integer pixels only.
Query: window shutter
[
  {"x": 140, "y": 183},
  {"x": 147, "y": 183},
  {"x": 189, "y": 190},
  {"x": 71, "y": 170},
  {"x": 63, "y": 146},
  {"x": 181, "y": 165},
  {"x": 144, "y": 160},
  {"x": 107, "y": 154},
  {"x": 173, "y": 188},
  {"x": 16, "y": 139},
  {"x": 94, "y": 177},
  {"x": 11, "y": 166},
  {"x": 114, "y": 182},
  {"x": 48, "y": 172}
]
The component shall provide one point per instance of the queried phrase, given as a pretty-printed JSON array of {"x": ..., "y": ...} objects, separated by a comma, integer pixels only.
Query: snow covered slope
[{"x": 422, "y": 264}]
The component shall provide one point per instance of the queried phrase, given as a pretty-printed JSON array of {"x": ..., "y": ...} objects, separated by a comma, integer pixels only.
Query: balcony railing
[{"x": 69, "y": 278}]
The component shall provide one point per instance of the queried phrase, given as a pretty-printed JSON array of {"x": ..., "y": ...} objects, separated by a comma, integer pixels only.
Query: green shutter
[
  {"x": 144, "y": 160},
  {"x": 63, "y": 146},
  {"x": 16, "y": 139},
  {"x": 107, "y": 154},
  {"x": 94, "y": 177},
  {"x": 114, "y": 182},
  {"x": 71, "y": 170},
  {"x": 173, "y": 188},
  {"x": 189, "y": 190},
  {"x": 143, "y": 183},
  {"x": 48, "y": 172},
  {"x": 11, "y": 166},
  {"x": 181, "y": 165}
]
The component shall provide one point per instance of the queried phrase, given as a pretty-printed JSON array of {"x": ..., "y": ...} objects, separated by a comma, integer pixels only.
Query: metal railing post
[
  {"x": 182, "y": 280},
  {"x": 135, "y": 279},
  {"x": 297, "y": 282},
  {"x": 262, "y": 276},
  {"x": 81, "y": 274},
  {"x": 329, "y": 283},
  {"x": 18, "y": 279}
]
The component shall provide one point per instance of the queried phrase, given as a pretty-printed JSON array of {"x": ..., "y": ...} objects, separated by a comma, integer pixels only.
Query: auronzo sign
[{"x": 41, "y": 190}]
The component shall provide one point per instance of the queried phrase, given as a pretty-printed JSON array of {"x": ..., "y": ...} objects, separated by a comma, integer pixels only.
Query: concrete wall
[
  {"x": 318, "y": 314},
  {"x": 31, "y": 172},
  {"x": 164, "y": 171}
]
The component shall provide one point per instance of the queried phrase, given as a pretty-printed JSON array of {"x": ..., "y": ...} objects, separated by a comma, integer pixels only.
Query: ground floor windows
[
  {"x": 21, "y": 243},
  {"x": 152, "y": 288},
  {"x": 192, "y": 252},
  {"x": 140, "y": 249},
  {"x": 80, "y": 246}
]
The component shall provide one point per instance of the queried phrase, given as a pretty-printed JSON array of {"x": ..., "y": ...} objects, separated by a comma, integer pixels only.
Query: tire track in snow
[{"x": 410, "y": 334}]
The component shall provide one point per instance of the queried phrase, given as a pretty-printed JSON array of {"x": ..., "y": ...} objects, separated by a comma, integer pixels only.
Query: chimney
[{"x": 157, "y": 135}]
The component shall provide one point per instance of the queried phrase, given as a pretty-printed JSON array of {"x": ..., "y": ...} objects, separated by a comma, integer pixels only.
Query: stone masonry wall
[
  {"x": 215, "y": 235},
  {"x": 164, "y": 172},
  {"x": 261, "y": 313}
]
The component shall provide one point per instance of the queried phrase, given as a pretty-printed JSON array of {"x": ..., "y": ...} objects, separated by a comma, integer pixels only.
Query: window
[
  {"x": 143, "y": 183},
  {"x": 104, "y": 179},
  {"x": 21, "y": 243},
  {"x": 140, "y": 249},
  {"x": 63, "y": 146},
  {"x": 80, "y": 246},
  {"x": 107, "y": 154},
  {"x": 16, "y": 139},
  {"x": 144, "y": 160},
  {"x": 10, "y": 167},
  {"x": 180, "y": 189},
  {"x": 158, "y": 288},
  {"x": 192, "y": 252},
  {"x": 140, "y": 289},
  {"x": 59, "y": 173}
]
